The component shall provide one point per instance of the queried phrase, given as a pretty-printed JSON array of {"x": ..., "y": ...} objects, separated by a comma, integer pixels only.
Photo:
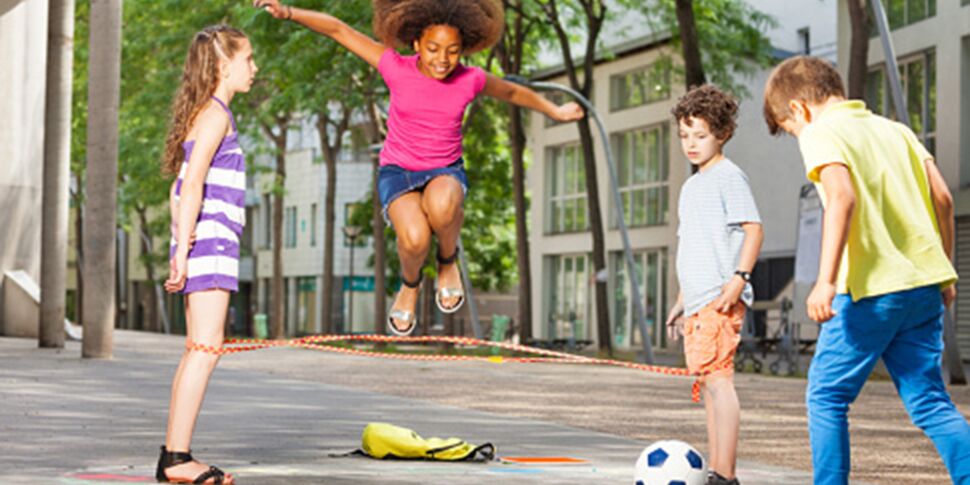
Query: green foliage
[{"x": 733, "y": 45}]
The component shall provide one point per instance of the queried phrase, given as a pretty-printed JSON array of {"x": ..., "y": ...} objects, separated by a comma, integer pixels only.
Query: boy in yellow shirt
[{"x": 884, "y": 271}]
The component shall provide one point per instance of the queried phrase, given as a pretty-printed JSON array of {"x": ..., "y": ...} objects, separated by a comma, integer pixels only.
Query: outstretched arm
[
  {"x": 522, "y": 96},
  {"x": 364, "y": 47}
]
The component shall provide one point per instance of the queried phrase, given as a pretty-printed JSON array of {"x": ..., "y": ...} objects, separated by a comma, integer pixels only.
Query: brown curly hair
[
  {"x": 717, "y": 108},
  {"x": 398, "y": 23},
  {"x": 200, "y": 77}
]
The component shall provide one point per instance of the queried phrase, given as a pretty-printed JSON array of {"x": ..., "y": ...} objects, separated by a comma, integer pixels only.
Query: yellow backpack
[{"x": 386, "y": 441}]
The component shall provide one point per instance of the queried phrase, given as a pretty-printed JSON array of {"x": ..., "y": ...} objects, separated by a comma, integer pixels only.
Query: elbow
[
  {"x": 944, "y": 203},
  {"x": 843, "y": 202}
]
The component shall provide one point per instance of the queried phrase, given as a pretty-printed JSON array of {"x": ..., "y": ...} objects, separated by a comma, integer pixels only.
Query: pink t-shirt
[{"x": 424, "y": 120}]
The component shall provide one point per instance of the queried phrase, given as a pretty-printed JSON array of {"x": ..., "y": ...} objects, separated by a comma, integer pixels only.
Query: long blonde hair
[{"x": 200, "y": 77}]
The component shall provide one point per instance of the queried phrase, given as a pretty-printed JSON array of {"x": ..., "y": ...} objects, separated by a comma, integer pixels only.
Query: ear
[
  {"x": 417, "y": 45},
  {"x": 799, "y": 110}
]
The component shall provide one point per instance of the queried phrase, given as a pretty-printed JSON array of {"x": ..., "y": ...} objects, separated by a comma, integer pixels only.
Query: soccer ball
[{"x": 670, "y": 463}]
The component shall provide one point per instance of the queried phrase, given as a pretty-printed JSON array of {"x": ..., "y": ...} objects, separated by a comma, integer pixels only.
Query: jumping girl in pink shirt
[{"x": 422, "y": 180}]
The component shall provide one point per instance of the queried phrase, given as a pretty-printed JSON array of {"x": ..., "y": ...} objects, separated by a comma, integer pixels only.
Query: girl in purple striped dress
[{"x": 207, "y": 202}]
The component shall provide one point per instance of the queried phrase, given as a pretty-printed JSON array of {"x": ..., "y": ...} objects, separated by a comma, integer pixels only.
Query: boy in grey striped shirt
[{"x": 720, "y": 235}]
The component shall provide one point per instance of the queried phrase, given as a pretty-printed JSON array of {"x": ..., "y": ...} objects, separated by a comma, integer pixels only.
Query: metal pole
[
  {"x": 951, "y": 349},
  {"x": 640, "y": 313},
  {"x": 350, "y": 304}
]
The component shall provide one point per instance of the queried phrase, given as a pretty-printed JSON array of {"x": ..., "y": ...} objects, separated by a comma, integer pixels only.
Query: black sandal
[
  {"x": 404, "y": 315},
  {"x": 168, "y": 459},
  {"x": 446, "y": 292}
]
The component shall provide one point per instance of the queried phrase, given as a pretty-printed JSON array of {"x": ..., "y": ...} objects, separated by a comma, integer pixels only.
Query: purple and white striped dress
[{"x": 214, "y": 258}]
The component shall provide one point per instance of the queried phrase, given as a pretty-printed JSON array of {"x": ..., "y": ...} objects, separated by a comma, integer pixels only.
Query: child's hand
[
  {"x": 730, "y": 294},
  {"x": 273, "y": 7},
  {"x": 569, "y": 112},
  {"x": 675, "y": 323},
  {"x": 949, "y": 295},
  {"x": 177, "y": 272},
  {"x": 819, "y": 303}
]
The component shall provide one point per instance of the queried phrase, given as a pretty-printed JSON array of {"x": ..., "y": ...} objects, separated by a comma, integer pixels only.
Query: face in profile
[
  {"x": 439, "y": 50},
  {"x": 241, "y": 69}
]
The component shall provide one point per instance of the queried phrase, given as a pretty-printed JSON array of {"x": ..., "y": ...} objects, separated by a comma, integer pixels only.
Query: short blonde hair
[{"x": 801, "y": 78}]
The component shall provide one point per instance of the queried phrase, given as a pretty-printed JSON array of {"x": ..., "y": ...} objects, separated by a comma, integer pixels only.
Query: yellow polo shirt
[{"x": 894, "y": 242}]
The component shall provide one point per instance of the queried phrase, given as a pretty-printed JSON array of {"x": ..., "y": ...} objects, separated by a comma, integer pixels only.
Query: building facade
[{"x": 634, "y": 96}]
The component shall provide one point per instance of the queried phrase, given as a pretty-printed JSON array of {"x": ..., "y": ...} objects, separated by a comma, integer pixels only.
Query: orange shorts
[{"x": 711, "y": 339}]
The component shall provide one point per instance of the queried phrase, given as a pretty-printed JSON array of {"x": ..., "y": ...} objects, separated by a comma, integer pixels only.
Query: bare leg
[
  {"x": 442, "y": 202},
  {"x": 712, "y": 449},
  {"x": 205, "y": 315},
  {"x": 727, "y": 420},
  {"x": 413, "y": 241}
]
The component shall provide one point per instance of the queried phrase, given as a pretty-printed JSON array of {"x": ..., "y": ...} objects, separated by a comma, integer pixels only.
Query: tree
[
  {"x": 563, "y": 15},
  {"x": 517, "y": 48},
  {"x": 57, "y": 146},
  {"x": 858, "y": 48},
  {"x": 102, "y": 171},
  {"x": 720, "y": 41}
]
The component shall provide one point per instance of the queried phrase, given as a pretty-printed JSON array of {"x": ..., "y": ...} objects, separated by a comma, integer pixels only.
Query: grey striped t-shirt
[{"x": 713, "y": 205}]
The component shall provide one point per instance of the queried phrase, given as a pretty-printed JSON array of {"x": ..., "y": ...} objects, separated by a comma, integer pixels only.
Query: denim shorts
[{"x": 394, "y": 181}]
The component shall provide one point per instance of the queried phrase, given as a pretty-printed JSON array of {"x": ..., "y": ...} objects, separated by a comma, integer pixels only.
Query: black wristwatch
[{"x": 745, "y": 275}]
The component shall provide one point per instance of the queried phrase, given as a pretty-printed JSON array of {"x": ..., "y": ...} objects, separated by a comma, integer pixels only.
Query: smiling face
[
  {"x": 699, "y": 144},
  {"x": 240, "y": 71},
  {"x": 439, "y": 50}
]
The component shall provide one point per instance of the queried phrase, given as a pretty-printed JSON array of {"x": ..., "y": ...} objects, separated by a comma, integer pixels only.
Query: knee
[
  {"x": 444, "y": 207},
  {"x": 413, "y": 239}
]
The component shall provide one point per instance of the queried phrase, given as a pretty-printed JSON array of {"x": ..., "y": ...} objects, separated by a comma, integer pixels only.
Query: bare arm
[
  {"x": 522, "y": 96},
  {"x": 754, "y": 235},
  {"x": 840, "y": 200},
  {"x": 943, "y": 205},
  {"x": 364, "y": 47}
]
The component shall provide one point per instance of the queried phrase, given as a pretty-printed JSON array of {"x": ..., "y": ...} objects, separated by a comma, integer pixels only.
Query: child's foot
[
  {"x": 192, "y": 471},
  {"x": 402, "y": 318},
  {"x": 451, "y": 293},
  {"x": 715, "y": 478}
]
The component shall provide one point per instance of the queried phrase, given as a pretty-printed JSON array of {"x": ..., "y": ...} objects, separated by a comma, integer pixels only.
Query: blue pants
[{"x": 905, "y": 329}]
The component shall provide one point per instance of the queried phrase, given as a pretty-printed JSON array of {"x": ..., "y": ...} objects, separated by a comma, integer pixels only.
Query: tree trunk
[
  {"x": 156, "y": 315},
  {"x": 277, "y": 313},
  {"x": 79, "y": 253},
  {"x": 693, "y": 67},
  {"x": 331, "y": 149},
  {"x": 102, "y": 174},
  {"x": 57, "y": 162},
  {"x": 517, "y": 138},
  {"x": 595, "y": 13},
  {"x": 858, "y": 49},
  {"x": 380, "y": 281}
]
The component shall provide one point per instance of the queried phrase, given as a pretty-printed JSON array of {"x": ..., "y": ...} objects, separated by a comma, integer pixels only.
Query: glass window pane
[
  {"x": 569, "y": 208},
  {"x": 896, "y": 12},
  {"x": 652, "y": 150},
  {"x": 581, "y": 214},
  {"x": 639, "y": 158},
  {"x": 915, "y": 10},
  {"x": 875, "y": 91},
  {"x": 914, "y": 95},
  {"x": 664, "y": 205},
  {"x": 639, "y": 207},
  {"x": 931, "y": 80}
]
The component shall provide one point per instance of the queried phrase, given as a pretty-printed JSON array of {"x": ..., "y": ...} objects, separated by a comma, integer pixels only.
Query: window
[
  {"x": 653, "y": 290},
  {"x": 569, "y": 310},
  {"x": 901, "y": 13},
  {"x": 918, "y": 77},
  {"x": 290, "y": 227},
  {"x": 805, "y": 41},
  {"x": 566, "y": 189},
  {"x": 642, "y": 86},
  {"x": 643, "y": 163},
  {"x": 313, "y": 225}
]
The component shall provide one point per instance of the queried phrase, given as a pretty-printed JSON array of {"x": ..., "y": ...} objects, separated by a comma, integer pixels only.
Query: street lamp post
[
  {"x": 352, "y": 233},
  {"x": 627, "y": 251}
]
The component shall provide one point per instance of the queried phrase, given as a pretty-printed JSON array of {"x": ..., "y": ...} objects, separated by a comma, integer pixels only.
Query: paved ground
[{"x": 274, "y": 416}]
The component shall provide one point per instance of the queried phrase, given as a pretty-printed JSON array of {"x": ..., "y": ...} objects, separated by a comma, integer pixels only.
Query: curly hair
[
  {"x": 717, "y": 108},
  {"x": 398, "y": 23},
  {"x": 200, "y": 77}
]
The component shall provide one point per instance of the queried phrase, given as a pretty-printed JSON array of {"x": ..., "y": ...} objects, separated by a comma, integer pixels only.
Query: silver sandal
[
  {"x": 443, "y": 293},
  {"x": 404, "y": 315}
]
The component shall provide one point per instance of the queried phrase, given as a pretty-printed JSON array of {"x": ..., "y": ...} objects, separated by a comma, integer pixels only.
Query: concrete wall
[{"x": 23, "y": 71}]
